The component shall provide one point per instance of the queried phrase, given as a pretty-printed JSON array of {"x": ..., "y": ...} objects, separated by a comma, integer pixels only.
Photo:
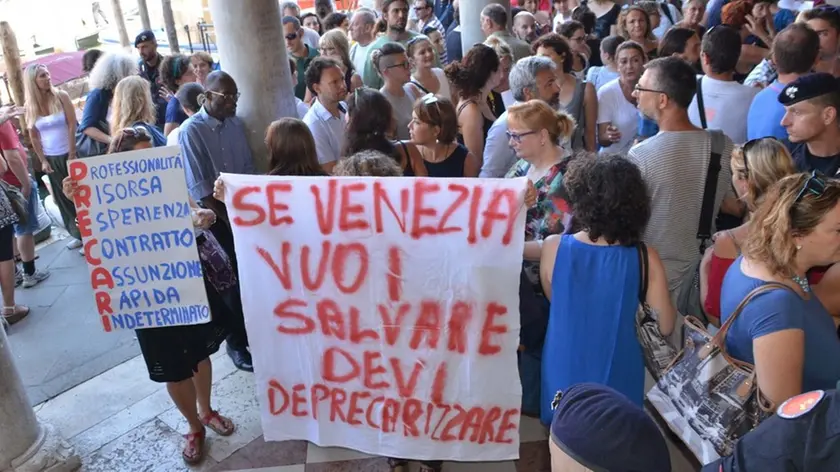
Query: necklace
[{"x": 802, "y": 282}]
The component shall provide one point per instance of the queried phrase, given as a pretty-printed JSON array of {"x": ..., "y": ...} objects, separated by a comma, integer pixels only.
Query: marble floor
[{"x": 121, "y": 421}]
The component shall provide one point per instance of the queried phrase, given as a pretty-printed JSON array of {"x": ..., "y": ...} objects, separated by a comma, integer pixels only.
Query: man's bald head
[
  {"x": 525, "y": 26},
  {"x": 217, "y": 80},
  {"x": 222, "y": 95}
]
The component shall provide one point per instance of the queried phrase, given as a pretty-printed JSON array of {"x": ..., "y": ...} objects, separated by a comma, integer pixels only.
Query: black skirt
[{"x": 172, "y": 354}]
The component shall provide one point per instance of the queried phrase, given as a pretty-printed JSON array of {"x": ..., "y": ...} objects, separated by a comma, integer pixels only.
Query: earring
[{"x": 798, "y": 247}]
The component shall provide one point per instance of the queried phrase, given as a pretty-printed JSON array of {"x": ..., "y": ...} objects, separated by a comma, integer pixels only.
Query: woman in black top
[
  {"x": 433, "y": 129},
  {"x": 370, "y": 122}
]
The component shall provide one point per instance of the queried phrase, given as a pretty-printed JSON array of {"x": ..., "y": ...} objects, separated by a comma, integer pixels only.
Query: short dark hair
[
  {"x": 334, "y": 20},
  {"x": 827, "y": 13},
  {"x": 496, "y": 13},
  {"x": 674, "y": 41},
  {"x": 586, "y": 17},
  {"x": 172, "y": 68},
  {"x": 675, "y": 78},
  {"x": 387, "y": 49},
  {"x": 188, "y": 96},
  {"x": 829, "y": 100},
  {"x": 313, "y": 15},
  {"x": 570, "y": 27},
  {"x": 316, "y": 69},
  {"x": 292, "y": 20},
  {"x": 370, "y": 119},
  {"x": 559, "y": 45},
  {"x": 608, "y": 197},
  {"x": 89, "y": 59},
  {"x": 795, "y": 49},
  {"x": 722, "y": 47},
  {"x": 610, "y": 44}
]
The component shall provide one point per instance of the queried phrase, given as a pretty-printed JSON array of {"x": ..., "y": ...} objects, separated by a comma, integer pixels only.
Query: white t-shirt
[
  {"x": 301, "y": 107},
  {"x": 311, "y": 37},
  {"x": 727, "y": 105},
  {"x": 359, "y": 55},
  {"x": 614, "y": 108},
  {"x": 674, "y": 165},
  {"x": 172, "y": 139},
  {"x": 664, "y": 23}
]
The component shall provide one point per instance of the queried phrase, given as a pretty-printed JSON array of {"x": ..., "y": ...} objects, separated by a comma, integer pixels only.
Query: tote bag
[{"x": 707, "y": 398}]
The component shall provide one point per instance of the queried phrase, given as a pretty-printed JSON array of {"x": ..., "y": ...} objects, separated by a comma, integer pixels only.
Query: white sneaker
[
  {"x": 74, "y": 244},
  {"x": 36, "y": 278}
]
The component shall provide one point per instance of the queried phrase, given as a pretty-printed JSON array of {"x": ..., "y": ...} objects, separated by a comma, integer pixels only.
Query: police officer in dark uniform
[
  {"x": 803, "y": 436},
  {"x": 812, "y": 109},
  {"x": 150, "y": 61}
]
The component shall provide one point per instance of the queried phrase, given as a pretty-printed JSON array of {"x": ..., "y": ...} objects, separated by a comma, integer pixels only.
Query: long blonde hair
[
  {"x": 761, "y": 163},
  {"x": 37, "y": 101},
  {"x": 335, "y": 38},
  {"x": 132, "y": 103}
]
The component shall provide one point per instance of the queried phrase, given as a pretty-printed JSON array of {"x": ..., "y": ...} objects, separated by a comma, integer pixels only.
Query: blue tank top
[{"x": 591, "y": 334}]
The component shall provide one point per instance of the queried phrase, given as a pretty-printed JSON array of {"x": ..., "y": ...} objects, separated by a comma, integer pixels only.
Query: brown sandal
[
  {"x": 194, "y": 449},
  {"x": 218, "y": 424},
  {"x": 13, "y": 314}
]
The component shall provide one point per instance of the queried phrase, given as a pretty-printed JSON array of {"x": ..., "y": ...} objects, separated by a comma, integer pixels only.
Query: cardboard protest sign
[
  {"x": 135, "y": 220},
  {"x": 383, "y": 313}
]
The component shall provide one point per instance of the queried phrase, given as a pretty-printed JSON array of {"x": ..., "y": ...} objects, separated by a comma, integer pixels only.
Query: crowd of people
[{"x": 705, "y": 133}]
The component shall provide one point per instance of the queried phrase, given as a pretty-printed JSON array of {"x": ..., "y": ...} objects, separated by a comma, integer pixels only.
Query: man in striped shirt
[{"x": 424, "y": 9}]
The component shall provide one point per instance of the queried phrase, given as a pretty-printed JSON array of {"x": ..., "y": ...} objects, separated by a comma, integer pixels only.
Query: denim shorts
[{"x": 32, "y": 209}]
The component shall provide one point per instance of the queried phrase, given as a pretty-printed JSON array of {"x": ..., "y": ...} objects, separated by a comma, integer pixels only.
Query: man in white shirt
[
  {"x": 726, "y": 102},
  {"x": 530, "y": 78},
  {"x": 325, "y": 118},
  {"x": 362, "y": 27},
  {"x": 674, "y": 164}
]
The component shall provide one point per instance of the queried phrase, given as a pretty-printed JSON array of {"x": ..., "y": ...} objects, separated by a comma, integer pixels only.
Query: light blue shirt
[
  {"x": 766, "y": 113},
  {"x": 209, "y": 147},
  {"x": 498, "y": 155},
  {"x": 327, "y": 130}
]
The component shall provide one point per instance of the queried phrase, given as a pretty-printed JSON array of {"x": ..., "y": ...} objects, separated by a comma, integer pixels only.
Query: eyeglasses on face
[
  {"x": 517, "y": 137},
  {"x": 401, "y": 65},
  {"x": 226, "y": 96},
  {"x": 639, "y": 88}
]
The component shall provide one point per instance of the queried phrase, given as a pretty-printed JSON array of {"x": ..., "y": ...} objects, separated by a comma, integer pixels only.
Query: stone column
[
  {"x": 25, "y": 444},
  {"x": 252, "y": 50},
  {"x": 470, "y": 11},
  {"x": 144, "y": 14}
]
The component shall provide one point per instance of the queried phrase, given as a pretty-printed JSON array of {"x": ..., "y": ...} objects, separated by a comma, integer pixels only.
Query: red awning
[{"x": 63, "y": 66}]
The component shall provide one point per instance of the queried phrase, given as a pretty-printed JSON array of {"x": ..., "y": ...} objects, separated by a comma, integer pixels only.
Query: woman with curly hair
[
  {"x": 612, "y": 208},
  {"x": 133, "y": 107},
  {"x": 109, "y": 70},
  {"x": 786, "y": 332},
  {"x": 175, "y": 71},
  {"x": 634, "y": 25},
  {"x": 478, "y": 73}
]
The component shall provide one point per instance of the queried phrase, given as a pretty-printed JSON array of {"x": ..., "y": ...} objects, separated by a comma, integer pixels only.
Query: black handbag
[{"x": 89, "y": 147}]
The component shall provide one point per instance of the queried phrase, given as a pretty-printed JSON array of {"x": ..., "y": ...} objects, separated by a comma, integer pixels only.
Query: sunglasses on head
[
  {"x": 814, "y": 185},
  {"x": 747, "y": 148},
  {"x": 138, "y": 132}
]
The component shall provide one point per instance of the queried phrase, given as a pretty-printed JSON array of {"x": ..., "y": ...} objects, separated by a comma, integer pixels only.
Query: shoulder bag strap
[
  {"x": 720, "y": 338},
  {"x": 707, "y": 210},
  {"x": 643, "y": 271},
  {"x": 701, "y": 109}
]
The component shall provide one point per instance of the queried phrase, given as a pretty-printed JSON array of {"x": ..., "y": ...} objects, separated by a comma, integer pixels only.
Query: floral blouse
[{"x": 542, "y": 219}]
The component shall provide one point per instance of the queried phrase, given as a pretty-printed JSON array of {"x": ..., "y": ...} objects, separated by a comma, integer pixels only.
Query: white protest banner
[
  {"x": 134, "y": 218},
  {"x": 383, "y": 313}
]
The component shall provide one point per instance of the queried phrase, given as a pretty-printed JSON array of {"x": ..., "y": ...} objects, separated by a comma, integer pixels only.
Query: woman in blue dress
[{"x": 592, "y": 277}]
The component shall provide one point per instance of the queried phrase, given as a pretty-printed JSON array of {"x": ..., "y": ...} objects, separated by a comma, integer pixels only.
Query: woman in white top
[
  {"x": 188, "y": 98},
  {"x": 52, "y": 128},
  {"x": 392, "y": 64},
  {"x": 618, "y": 118},
  {"x": 426, "y": 77}
]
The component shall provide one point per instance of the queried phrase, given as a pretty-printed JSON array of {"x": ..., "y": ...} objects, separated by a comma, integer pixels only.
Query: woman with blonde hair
[
  {"x": 133, "y": 106},
  {"x": 634, "y": 24},
  {"x": 756, "y": 166},
  {"x": 426, "y": 76},
  {"x": 334, "y": 44},
  {"x": 786, "y": 332},
  {"x": 109, "y": 70},
  {"x": 52, "y": 129}
]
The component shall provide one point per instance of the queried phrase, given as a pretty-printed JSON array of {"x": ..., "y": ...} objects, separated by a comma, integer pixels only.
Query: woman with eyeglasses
[
  {"x": 786, "y": 332},
  {"x": 434, "y": 128},
  {"x": 133, "y": 107},
  {"x": 334, "y": 44},
  {"x": 370, "y": 121},
  {"x": 574, "y": 33},
  {"x": 535, "y": 132},
  {"x": 52, "y": 129},
  {"x": 618, "y": 117},
  {"x": 593, "y": 278},
  {"x": 634, "y": 24},
  {"x": 392, "y": 64},
  {"x": 175, "y": 71},
  {"x": 179, "y": 356},
  {"x": 577, "y": 97},
  {"x": 756, "y": 166},
  {"x": 474, "y": 78},
  {"x": 426, "y": 77}
]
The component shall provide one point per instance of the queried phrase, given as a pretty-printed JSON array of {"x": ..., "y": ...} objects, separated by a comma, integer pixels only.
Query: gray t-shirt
[{"x": 674, "y": 165}]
